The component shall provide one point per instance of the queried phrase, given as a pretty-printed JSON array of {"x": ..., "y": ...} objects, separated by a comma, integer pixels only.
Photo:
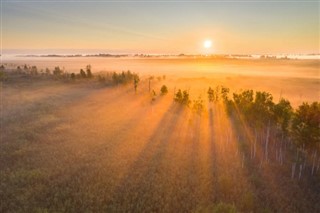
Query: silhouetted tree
[
  {"x": 182, "y": 97},
  {"x": 178, "y": 96},
  {"x": 82, "y": 73},
  {"x": 34, "y": 70},
  {"x": 164, "y": 90},
  {"x": 73, "y": 76},
  {"x": 136, "y": 81},
  {"x": 88, "y": 70},
  {"x": 210, "y": 94},
  {"x": 19, "y": 70},
  {"x": 57, "y": 71},
  {"x": 198, "y": 105},
  {"x": 224, "y": 93}
]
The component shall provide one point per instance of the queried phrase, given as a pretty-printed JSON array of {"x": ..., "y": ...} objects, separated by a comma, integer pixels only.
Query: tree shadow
[
  {"x": 145, "y": 181},
  {"x": 270, "y": 184}
]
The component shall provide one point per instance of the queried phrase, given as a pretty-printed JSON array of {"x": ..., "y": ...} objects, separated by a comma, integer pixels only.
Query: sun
[{"x": 207, "y": 44}]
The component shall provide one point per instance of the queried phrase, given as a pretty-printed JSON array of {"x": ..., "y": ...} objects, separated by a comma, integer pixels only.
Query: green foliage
[
  {"x": 261, "y": 112},
  {"x": 282, "y": 112},
  {"x": 306, "y": 124},
  {"x": 244, "y": 100},
  {"x": 164, "y": 90}
]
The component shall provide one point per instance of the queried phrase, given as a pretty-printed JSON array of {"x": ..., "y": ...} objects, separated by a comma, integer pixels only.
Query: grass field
[{"x": 83, "y": 147}]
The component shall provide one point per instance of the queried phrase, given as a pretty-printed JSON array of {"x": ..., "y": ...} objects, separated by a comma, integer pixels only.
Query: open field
[{"x": 80, "y": 146}]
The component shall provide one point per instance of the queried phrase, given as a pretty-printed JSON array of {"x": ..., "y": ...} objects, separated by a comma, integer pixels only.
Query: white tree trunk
[{"x": 267, "y": 141}]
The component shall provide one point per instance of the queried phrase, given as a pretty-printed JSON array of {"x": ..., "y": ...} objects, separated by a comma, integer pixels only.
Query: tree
[
  {"x": 82, "y": 73},
  {"x": 185, "y": 99},
  {"x": 2, "y": 68},
  {"x": 164, "y": 90},
  {"x": 283, "y": 112},
  {"x": 136, "y": 81},
  {"x": 19, "y": 70},
  {"x": 178, "y": 96},
  {"x": 261, "y": 112},
  {"x": 210, "y": 94},
  {"x": 73, "y": 76},
  {"x": 150, "y": 79},
  {"x": 198, "y": 105},
  {"x": 88, "y": 70},
  {"x": 25, "y": 68},
  {"x": 57, "y": 71},
  {"x": 224, "y": 93},
  {"x": 182, "y": 97},
  {"x": 48, "y": 72},
  {"x": 34, "y": 70},
  {"x": 244, "y": 101},
  {"x": 306, "y": 124}
]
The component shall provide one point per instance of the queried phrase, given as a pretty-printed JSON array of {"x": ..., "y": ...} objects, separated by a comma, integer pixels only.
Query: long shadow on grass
[
  {"x": 140, "y": 189},
  {"x": 213, "y": 156},
  {"x": 267, "y": 199},
  {"x": 64, "y": 169}
]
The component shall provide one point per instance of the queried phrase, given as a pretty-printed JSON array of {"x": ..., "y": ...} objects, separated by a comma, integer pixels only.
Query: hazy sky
[{"x": 162, "y": 26}]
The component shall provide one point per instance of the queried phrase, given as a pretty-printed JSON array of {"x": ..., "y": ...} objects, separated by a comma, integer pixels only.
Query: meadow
[{"x": 80, "y": 144}]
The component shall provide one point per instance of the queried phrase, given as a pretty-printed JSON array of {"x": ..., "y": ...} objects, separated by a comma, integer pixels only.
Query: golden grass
[{"x": 83, "y": 148}]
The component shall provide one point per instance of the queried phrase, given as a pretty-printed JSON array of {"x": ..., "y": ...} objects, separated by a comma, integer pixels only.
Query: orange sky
[{"x": 238, "y": 27}]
